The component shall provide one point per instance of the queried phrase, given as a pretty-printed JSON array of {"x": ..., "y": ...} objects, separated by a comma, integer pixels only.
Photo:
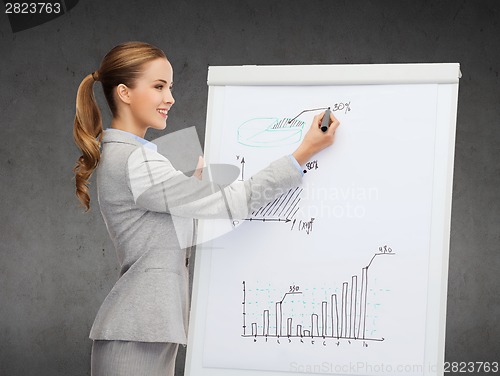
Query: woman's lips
[{"x": 163, "y": 113}]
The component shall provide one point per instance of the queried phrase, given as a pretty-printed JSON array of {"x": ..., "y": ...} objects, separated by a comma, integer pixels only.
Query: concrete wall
[{"x": 58, "y": 264}]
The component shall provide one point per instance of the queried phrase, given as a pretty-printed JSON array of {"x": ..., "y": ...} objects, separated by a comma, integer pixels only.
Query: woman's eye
[{"x": 159, "y": 86}]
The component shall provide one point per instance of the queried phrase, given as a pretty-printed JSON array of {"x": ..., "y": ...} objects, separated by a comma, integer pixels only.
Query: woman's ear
[{"x": 123, "y": 93}]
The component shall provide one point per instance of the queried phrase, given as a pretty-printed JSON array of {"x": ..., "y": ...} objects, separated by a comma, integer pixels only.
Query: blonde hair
[{"x": 123, "y": 64}]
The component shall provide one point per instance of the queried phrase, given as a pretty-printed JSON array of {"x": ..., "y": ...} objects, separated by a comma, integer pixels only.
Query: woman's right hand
[{"x": 315, "y": 139}]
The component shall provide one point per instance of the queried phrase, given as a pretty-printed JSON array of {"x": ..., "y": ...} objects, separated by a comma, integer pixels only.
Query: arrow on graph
[
  {"x": 268, "y": 219},
  {"x": 243, "y": 168}
]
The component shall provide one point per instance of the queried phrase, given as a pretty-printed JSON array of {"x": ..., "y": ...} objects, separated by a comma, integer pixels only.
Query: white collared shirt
[{"x": 146, "y": 143}]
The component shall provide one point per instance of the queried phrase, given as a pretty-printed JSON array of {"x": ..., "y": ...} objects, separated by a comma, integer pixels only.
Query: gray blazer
[{"x": 149, "y": 208}]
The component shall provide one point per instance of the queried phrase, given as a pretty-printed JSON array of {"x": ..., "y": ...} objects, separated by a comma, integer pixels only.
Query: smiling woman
[
  {"x": 123, "y": 82},
  {"x": 144, "y": 317},
  {"x": 148, "y": 102}
]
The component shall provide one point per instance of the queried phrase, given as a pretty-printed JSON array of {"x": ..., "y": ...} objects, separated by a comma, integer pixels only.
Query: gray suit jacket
[{"x": 144, "y": 201}]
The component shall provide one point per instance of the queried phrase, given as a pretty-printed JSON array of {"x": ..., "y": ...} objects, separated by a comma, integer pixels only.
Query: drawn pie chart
[{"x": 270, "y": 132}]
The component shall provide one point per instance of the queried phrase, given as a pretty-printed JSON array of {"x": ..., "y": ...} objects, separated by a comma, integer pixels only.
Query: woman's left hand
[{"x": 199, "y": 168}]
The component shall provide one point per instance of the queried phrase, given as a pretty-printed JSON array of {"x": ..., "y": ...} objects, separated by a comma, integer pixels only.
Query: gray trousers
[{"x": 130, "y": 358}]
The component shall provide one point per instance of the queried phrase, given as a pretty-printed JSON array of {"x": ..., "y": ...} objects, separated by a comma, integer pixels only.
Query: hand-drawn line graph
[
  {"x": 282, "y": 209},
  {"x": 342, "y": 317}
]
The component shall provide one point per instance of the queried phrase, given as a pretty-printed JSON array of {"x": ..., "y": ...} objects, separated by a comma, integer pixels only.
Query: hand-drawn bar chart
[{"x": 342, "y": 316}]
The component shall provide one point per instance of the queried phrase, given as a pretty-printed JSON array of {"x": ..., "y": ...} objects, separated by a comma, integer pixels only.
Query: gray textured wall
[{"x": 58, "y": 264}]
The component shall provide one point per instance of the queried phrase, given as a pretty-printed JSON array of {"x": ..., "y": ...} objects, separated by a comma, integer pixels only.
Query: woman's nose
[{"x": 169, "y": 98}]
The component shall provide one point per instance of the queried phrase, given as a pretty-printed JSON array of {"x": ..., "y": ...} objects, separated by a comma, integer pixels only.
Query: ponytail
[
  {"x": 123, "y": 64},
  {"x": 87, "y": 133}
]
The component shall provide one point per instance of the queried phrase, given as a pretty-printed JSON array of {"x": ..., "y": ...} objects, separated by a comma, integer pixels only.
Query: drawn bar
[
  {"x": 279, "y": 319},
  {"x": 289, "y": 327},
  {"x": 323, "y": 319},
  {"x": 354, "y": 298},
  {"x": 362, "y": 306},
  {"x": 254, "y": 329},
  {"x": 335, "y": 317},
  {"x": 314, "y": 325},
  {"x": 343, "y": 314},
  {"x": 265, "y": 328}
]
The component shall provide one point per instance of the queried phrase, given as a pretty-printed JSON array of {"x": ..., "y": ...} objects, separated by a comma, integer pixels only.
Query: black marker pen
[{"x": 325, "y": 123}]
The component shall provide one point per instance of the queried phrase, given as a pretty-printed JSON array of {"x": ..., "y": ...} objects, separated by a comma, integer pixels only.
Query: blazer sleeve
[{"x": 157, "y": 186}]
